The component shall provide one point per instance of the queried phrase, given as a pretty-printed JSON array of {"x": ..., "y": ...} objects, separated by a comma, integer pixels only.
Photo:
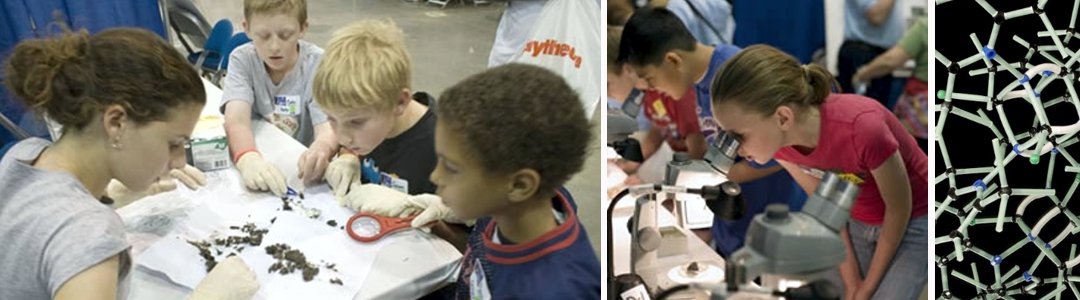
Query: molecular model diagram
[{"x": 1005, "y": 229}]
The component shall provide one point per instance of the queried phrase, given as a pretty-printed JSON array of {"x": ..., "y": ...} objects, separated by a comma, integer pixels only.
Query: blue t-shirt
[
  {"x": 857, "y": 27},
  {"x": 560, "y": 264},
  {"x": 709, "y": 128}
]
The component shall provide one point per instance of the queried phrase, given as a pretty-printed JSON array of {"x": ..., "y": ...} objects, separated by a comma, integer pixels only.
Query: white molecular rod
[{"x": 1036, "y": 142}]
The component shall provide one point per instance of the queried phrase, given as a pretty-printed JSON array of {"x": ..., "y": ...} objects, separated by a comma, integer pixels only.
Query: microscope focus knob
[
  {"x": 725, "y": 200},
  {"x": 776, "y": 212},
  {"x": 680, "y": 157},
  {"x": 649, "y": 239}
]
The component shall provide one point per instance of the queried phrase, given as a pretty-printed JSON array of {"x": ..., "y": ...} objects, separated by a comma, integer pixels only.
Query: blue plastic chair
[
  {"x": 236, "y": 41},
  {"x": 209, "y": 59}
]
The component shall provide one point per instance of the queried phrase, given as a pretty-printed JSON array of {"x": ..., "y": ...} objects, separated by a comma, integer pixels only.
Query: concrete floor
[{"x": 446, "y": 45}]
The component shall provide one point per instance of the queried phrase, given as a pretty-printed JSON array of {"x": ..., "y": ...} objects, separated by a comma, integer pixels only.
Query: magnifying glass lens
[{"x": 365, "y": 227}]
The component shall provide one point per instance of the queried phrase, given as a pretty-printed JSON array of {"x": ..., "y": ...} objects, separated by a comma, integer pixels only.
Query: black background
[{"x": 969, "y": 144}]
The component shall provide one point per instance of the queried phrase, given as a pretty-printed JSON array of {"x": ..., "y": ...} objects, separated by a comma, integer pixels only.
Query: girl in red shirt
[{"x": 779, "y": 109}]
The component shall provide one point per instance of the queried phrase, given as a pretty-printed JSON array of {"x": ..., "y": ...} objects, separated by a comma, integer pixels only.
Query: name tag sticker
[{"x": 287, "y": 105}]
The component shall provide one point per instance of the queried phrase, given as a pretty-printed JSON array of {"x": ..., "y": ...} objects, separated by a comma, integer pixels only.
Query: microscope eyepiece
[{"x": 721, "y": 153}]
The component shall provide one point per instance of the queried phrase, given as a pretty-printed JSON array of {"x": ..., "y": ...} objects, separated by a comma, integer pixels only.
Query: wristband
[{"x": 236, "y": 157}]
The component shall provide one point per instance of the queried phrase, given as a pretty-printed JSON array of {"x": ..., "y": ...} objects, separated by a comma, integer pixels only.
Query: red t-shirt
[
  {"x": 676, "y": 118},
  {"x": 857, "y": 135}
]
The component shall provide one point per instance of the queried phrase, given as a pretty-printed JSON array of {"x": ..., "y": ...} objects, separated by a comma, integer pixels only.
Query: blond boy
[{"x": 363, "y": 84}]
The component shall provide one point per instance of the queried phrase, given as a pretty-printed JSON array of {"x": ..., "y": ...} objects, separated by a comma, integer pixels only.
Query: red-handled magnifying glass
[{"x": 367, "y": 227}]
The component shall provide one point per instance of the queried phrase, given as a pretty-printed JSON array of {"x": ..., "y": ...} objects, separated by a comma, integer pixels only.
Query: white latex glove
[
  {"x": 230, "y": 279},
  {"x": 190, "y": 176},
  {"x": 342, "y": 172},
  {"x": 434, "y": 210},
  {"x": 260, "y": 175},
  {"x": 379, "y": 200}
]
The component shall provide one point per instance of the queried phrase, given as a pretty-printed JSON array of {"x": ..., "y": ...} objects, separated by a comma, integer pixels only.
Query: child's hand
[
  {"x": 231, "y": 279},
  {"x": 260, "y": 175},
  {"x": 852, "y": 286},
  {"x": 630, "y": 167},
  {"x": 864, "y": 292},
  {"x": 434, "y": 210},
  {"x": 342, "y": 172},
  {"x": 313, "y": 161},
  {"x": 379, "y": 200}
]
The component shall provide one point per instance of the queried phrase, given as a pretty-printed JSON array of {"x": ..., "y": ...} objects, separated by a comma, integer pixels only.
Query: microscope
[
  {"x": 683, "y": 171},
  {"x": 790, "y": 245},
  {"x": 661, "y": 257},
  {"x": 619, "y": 129},
  {"x": 797, "y": 245},
  {"x": 780, "y": 245}
]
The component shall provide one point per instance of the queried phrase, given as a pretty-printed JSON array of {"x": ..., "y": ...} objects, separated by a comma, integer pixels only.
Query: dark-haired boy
[
  {"x": 507, "y": 139},
  {"x": 657, "y": 45}
]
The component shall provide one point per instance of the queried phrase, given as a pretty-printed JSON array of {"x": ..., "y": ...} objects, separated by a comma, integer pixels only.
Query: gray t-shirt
[
  {"x": 52, "y": 228},
  {"x": 288, "y": 105}
]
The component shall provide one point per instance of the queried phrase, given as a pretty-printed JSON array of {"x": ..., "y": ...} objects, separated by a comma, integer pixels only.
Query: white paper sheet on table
[
  {"x": 652, "y": 170},
  {"x": 151, "y": 218},
  {"x": 180, "y": 262}
]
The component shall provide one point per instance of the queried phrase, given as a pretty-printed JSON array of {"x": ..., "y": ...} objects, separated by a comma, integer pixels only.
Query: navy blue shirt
[{"x": 560, "y": 264}]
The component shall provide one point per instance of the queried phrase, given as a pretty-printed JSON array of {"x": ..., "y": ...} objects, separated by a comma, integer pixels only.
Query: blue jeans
[{"x": 906, "y": 275}]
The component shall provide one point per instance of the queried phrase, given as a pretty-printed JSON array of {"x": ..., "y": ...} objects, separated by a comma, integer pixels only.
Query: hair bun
[
  {"x": 69, "y": 70},
  {"x": 44, "y": 73},
  {"x": 73, "y": 77}
]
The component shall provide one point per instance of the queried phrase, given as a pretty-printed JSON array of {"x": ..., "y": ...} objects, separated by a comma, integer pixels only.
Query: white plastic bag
[{"x": 566, "y": 40}]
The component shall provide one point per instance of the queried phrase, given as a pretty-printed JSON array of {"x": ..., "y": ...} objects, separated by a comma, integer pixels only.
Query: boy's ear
[
  {"x": 523, "y": 185},
  {"x": 403, "y": 101},
  {"x": 675, "y": 60},
  {"x": 244, "y": 23},
  {"x": 303, "y": 29}
]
